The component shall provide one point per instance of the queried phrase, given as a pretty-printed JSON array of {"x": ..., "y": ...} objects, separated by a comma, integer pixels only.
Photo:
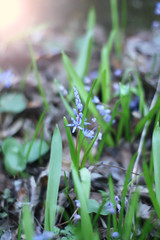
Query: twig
[
  {"x": 64, "y": 223},
  {"x": 143, "y": 135}
]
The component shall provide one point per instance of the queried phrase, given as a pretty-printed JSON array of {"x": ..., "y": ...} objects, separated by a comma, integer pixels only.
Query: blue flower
[
  {"x": 155, "y": 24},
  {"x": 77, "y": 100},
  {"x": 77, "y": 202},
  {"x": 115, "y": 235},
  {"x": 87, "y": 88},
  {"x": 109, "y": 208},
  {"x": 44, "y": 236},
  {"x": 76, "y": 218},
  {"x": 87, "y": 80},
  {"x": 76, "y": 123},
  {"x": 95, "y": 100},
  {"x": 134, "y": 105},
  {"x": 88, "y": 133},
  {"x": 157, "y": 9},
  {"x": 118, "y": 72},
  {"x": 6, "y": 78}
]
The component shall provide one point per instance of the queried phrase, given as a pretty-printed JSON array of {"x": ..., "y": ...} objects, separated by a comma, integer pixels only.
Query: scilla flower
[{"x": 76, "y": 123}]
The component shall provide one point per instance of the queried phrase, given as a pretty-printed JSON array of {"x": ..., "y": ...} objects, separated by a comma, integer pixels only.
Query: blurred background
[{"x": 18, "y": 16}]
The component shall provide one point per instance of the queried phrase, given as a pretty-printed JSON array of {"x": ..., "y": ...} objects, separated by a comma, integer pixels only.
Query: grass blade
[
  {"x": 27, "y": 222},
  {"x": 148, "y": 117},
  {"x": 53, "y": 180},
  {"x": 127, "y": 228},
  {"x": 156, "y": 162},
  {"x": 78, "y": 83},
  {"x": 128, "y": 173},
  {"x": 71, "y": 143},
  {"x": 85, "y": 55},
  {"x": 150, "y": 188},
  {"x": 104, "y": 72},
  {"x": 86, "y": 47},
  {"x": 35, "y": 134}
]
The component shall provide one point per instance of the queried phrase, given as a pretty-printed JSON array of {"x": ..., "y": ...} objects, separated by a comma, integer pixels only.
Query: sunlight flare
[{"x": 9, "y": 12}]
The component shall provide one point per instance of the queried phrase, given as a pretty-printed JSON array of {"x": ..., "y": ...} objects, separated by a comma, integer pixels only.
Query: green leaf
[
  {"x": 156, "y": 159},
  {"x": 71, "y": 143},
  {"x": 150, "y": 188},
  {"x": 13, "y": 102},
  {"x": 39, "y": 148},
  {"x": 85, "y": 219},
  {"x": 91, "y": 19},
  {"x": 85, "y": 55},
  {"x": 86, "y": 182},
  {"x": 128, "y": 222},
  {"x": 53, "y": 180},
  {"x": 14, "y": 160},
  {"x": 28, "y": 226},
  {"x": 78, "y": 83},
  {"x": 148, "y": 117},
  {"x": 93, "y": 206}
]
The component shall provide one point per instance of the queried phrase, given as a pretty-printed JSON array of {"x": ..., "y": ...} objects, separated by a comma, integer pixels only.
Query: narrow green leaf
[
  {"x": 53, "y": 180},
  {"x": 91, "y": 19},
  {"x": 86, "y": 47},
  {"x": 156, "y": 159},
  {"x": 86, "y": 182},
  {"x": 150, "y": 188},
  {"x": 78, "y": 83},
  {"x": 148, "y": 117},
  {"x": 85, "y": 55},
  {"x": 35, "y": 134},
  {"x": 28, "y": 227},
  {"x": 104, "y": 71},
  {"x": 71, "y": 143},
  {"x": 112, "y": 196},
  {"x": 127, "y": 227},
  {"x": 124, "y": 192}
]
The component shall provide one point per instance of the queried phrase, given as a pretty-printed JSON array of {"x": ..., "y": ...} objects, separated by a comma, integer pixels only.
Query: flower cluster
[
  {"x": 77, "y": 121},
  {"x": 105, "y": 112},
  {"x": 6, "y": 78},
  {"x": 157, "y": 8},
  {"x": 88, "y": 80}
]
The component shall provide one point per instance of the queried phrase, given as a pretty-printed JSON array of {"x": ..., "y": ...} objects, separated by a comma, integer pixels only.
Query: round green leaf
[
  {"x": 38, "y": 149},
  {"x": 13, "y": 158},
  {"x": 14, "y": 162},
  {"x": 13, "y": 102},
  {"x": 11, "y": 144}
]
